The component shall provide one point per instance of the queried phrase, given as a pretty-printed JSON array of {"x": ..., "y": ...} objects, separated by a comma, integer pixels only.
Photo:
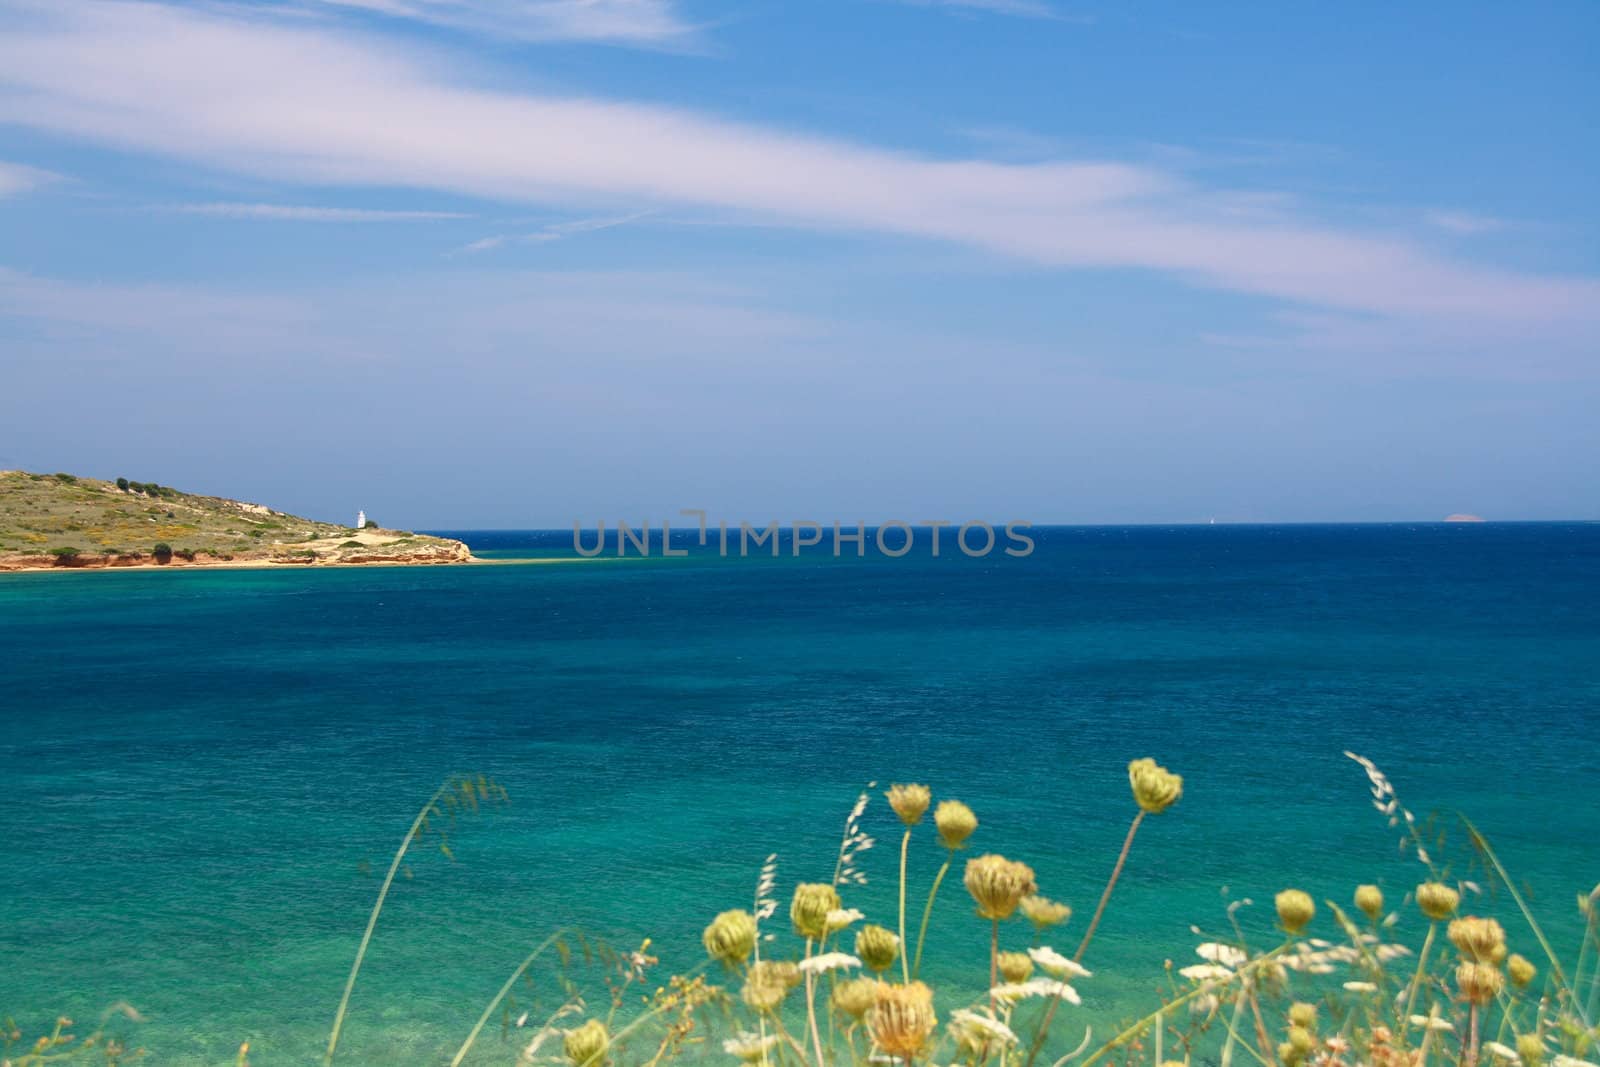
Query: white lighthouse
[{"x": 361, "y": 520}]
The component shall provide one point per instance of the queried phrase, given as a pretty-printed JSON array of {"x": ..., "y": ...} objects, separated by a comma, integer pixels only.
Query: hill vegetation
[{"x": 66, "y": 521}]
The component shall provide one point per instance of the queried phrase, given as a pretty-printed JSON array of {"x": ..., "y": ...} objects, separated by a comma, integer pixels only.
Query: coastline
[{"x": 52, "y": 567}]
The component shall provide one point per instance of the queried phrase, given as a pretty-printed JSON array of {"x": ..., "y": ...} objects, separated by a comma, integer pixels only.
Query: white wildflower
[
  {"x": 1504, "y": 1052},
  {"x": 1436, "y": 1024},
  {"x": 839, "y": 918},
  {"x": 1057, "y": 964},
  {"x": 1036, "y": 987},
  {"x": 1206, "y": 972},
  {"x": 1571, "y": 1061},
  {"x": 1226, "y": 955},
  {"x": 749, "y": 1047},
  {"x": 828, "y": 961},
  {"x": 969, "y": 1027},
  {"x": 1361, "y": 987}
]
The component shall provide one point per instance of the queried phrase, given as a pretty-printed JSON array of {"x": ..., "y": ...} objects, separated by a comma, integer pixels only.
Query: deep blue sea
[{"x": 207, "y": 771}]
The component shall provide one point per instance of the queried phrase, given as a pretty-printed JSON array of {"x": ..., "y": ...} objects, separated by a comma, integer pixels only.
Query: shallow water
[{"x": 204, "y": 770}]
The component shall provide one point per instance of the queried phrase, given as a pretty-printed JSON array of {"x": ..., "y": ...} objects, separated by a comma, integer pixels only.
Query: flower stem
[
  {"x": 1416, "y": 979},
  {"x": 922, "y": 933},
  {"x": 811, "y": 1008},
  {"x": 994, "y": 959},
  {"x": 905, "y": 846}
]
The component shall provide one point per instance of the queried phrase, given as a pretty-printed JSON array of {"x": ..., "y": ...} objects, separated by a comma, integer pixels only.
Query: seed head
[
  {"x": 998, "y": 885},
  {"x": 1521, "y": 970},
  {"x": 1369, "y": 898},
  {"x": 1015, "y": 966},
  {"x": 731, "y": 937},
  {"x": 1295, "y": 909},
  {"x": 1478, "y": 940},
  {"x": 1154, "y": 787},
  {"x": 809, "y": 910},
  {"x": 878, "y": 947},
  {"x": 902, "y": 1018},
  {"x": 1043, "y": 912},
  {"x": 1437, "y": 900},
  {"x": 855, "y": 997},
  {"x": 1303, "y": 1014},
  {"x": 909, "y": 802},
  {"x": 768, "y": 982},
  {"x": 955, "y": 823},
  {"x": 1480, "y": 983},
  {"x": 587, "y": 1045},
  {"x": 1531, "y": 1048}
]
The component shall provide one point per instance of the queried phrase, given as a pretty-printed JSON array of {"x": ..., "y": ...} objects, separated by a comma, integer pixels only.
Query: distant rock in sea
[{"x": 1461, "y": 516}]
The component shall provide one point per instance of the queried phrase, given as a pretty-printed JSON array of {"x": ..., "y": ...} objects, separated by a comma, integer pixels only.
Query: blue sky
[{"x": 520, "y": 262}]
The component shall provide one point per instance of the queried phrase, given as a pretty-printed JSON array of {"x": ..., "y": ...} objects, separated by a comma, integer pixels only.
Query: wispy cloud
[
  {"x": 314, "y": 105},
  {"x": 16, "y": 179},
  {"x": 304, "y": 213},
  {"x": 553, "y": 232},
  {"x": 1032, "y": 9},
  {"x": 633, "y": 22},
  {"x": 1463, "y": 222}
]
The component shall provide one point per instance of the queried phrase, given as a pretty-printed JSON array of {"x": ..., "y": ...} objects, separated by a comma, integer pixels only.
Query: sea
[{"x": 207, "y": 772}]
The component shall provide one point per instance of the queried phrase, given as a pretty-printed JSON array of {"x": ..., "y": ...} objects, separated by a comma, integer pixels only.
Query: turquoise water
[{"x": 203, "y": 768}]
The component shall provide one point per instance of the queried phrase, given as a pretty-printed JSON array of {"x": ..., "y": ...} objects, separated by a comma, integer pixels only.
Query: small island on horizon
[{"x": 67, "y": 522}]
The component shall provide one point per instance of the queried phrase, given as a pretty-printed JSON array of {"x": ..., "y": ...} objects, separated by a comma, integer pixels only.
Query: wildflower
[
  {"x": 1206, "y": 972},
  {"x": 1301, "y": 1040},
  {"x": 1055, "y": 963},
  {"x": 731, "y": 937},
  {"x": 909, "y": 802},
  {"x": 1226, "y": 955},
  {"x": 1369, "y": 898},
  {"x": 1521, "y": 971},
  {"x": 1503, "y": 1052},
  {"x": 587, "y": 1045},
  {"x": 809, "y": 910},
  {"x": 976, "y": 1034},
  {"x": 1479, "y": 940},
  {"x": 998, "y": 885},
  {"x": 1479, "y": 982},
  {"x": 1295, "y": 909},
  {"x": 839, "y": 918},
  {"x": 1437, "y": 900},
  {"x": 1361, "y": 987},
  {"x": 1385, "y": 953},
  {"x": 1571, "y": 1061},
  {"x": 878, "y": 947},
  {"x": 1155, "y": 788},
  {"x": 902, "y": 1018},
  {"x": 1531, "y": 1048},
  {"x": 828, "y": 961},
  {"x": 955, "y": 823},
  {"x": 1035, "y": 987},
  {"x": 855, "y": 997},
  {"x": 1433, "y": 1023},
  {"x": 768, "y": 982},
  {"x": 1015, "y": 966},
  {"x": 751, "y": 1048},
  {"x": 1043, "y": 912},
  {"x": 1304, "y": 1014}
]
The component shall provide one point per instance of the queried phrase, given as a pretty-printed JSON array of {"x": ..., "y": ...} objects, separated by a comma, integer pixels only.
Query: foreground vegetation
[
  {"x": 67, "y": 521},
  {"x": 1344, "y": 983}
]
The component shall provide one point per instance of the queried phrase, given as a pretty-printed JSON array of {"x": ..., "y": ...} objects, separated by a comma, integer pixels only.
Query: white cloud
[
  {"x": 313, "y": 105},
  {"x": 553, "y": 232},
  {"x": 16, "y": 179},
  {"x": 635, "y": 22},
  {"x": 302, "y": 213},
  {"x": 1463, "y": 222}
]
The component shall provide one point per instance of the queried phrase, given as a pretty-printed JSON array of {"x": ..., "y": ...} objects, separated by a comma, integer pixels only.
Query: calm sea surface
[{"x": 206, "y": 772}]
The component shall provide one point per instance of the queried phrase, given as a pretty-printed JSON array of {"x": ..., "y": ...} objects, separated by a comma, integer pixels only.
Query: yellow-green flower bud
[
  {"x": 1295, "y": 909},
  {"x": 587, "y": 1045},
  {"x": 1437, "y": 900},
  {"x": 1043, "y": 912},
  {"x": 767, "y": 983},
  {"x": 809, "y": 910},
  {"x": 731, "y": 937},
  {"x": 1480, "y": 983},
  {"x": 955, "y": 823},
  {"x": 878, "y": 947},
  {"x": 1479, "y": 940},
  {"x": 998, "y": 885},
  {"x": 1521, "y": 970},
  {"x": 855, "y": 997},
  {"x": 909, "y": 802},
  {"x": 1303, "y": 1014},
  {"x": 1155, "y": 788},
  {"x": 1015, "y": 966},
  {"x": 1531, "y": 1048},
  {"x": 1302, "y": 1041},
  {"x": 1289, "y": 1054},
  {"x": 1369, "y": 898}
]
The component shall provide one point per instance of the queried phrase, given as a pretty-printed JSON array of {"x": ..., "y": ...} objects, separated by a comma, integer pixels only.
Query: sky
[{"x": 525, "y": 263}]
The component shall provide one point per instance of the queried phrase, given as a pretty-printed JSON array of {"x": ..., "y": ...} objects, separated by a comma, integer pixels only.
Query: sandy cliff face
[{"x": 433, "y": 551}]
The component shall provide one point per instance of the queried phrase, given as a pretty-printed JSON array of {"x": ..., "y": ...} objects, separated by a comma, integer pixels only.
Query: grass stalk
[
  {"x": 927, "y": 910},
  {"x": 483, "y": 1019}
]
